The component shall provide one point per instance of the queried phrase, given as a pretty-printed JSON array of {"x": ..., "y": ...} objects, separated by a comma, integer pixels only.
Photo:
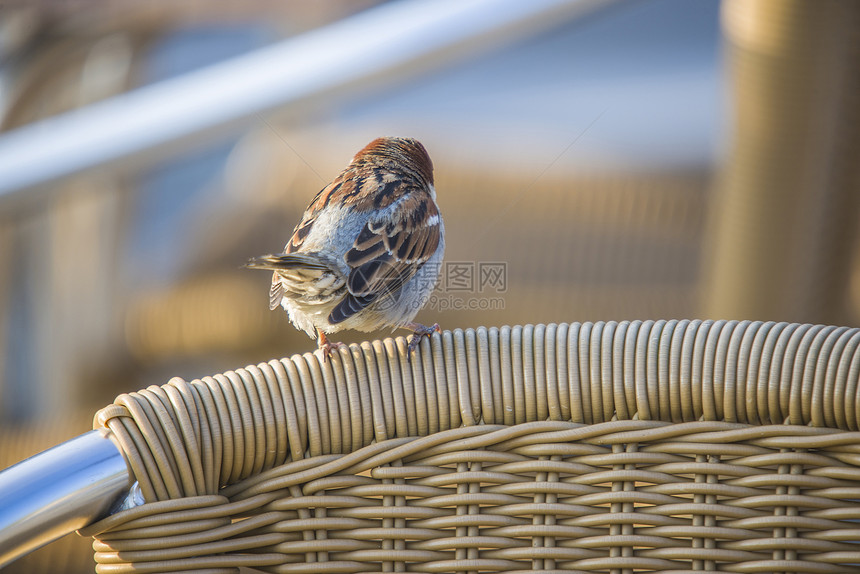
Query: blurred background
[{"x": 647, "y": 159}]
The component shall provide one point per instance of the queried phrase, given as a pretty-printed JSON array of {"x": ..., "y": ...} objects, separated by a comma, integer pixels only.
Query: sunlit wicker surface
[{"x": 346, "y": 467}]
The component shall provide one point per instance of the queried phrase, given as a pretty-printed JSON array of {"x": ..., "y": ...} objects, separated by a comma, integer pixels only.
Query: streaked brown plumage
[{"x": 368, "y": 250}]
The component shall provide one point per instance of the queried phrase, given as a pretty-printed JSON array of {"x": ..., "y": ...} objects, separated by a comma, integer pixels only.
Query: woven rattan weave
[{"x": 679, "y": 446}]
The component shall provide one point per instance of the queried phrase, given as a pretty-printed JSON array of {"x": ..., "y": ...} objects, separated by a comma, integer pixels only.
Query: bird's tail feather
[{"x": 285, "y": 261}]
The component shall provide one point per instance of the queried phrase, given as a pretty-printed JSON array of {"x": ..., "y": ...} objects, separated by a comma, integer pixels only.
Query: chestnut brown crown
[{"x": 408, "y": 153}]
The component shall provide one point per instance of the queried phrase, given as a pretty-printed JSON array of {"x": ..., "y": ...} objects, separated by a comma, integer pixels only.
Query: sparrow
[{"x": 368, "y": 250}]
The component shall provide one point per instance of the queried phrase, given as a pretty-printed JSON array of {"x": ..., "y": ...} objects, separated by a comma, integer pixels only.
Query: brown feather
[
  {"x": 385, "y": 256},
  {"x": 276, "y": 292}
]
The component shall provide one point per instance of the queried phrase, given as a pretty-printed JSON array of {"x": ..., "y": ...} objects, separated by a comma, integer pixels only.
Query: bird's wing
[
  {"x": 276, "y": 292},
  {"x": 304, "y": 274},
  {"x": 390, "y": 250},
  {"x": 301, "y": 231},
  {"x": 359, "y": 186},
  {"x": 303, "y": 227}
]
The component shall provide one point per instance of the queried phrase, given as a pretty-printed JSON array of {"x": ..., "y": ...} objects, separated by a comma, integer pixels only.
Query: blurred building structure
[
  {"x": 783, "y": 242},
  {"x": 642, "y": 162}
]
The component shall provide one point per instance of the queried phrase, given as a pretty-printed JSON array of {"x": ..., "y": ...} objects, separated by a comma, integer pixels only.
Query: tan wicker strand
[
  {"x": 610, "y": 352},
  {"x": 580, "y": 499},
  {"x": 595, "y": 447}
]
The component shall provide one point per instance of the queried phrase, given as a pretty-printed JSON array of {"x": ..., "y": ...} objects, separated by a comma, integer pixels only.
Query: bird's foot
[
  {"x": 328, "y": 347},
  {"x": 418, "y": 332}
]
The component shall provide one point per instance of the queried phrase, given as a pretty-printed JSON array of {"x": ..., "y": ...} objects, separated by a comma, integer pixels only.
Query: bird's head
[{"x": 406, "y": 152}]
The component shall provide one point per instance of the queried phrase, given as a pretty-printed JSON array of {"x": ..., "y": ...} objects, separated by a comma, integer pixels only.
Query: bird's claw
[
  {"x": 328, "y": 347},
  {"x": 419, "y": 332}
]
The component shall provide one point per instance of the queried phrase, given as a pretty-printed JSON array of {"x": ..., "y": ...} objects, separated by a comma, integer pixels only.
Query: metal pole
[
  {"x": 362, "y": 49},
  {"x": 58, "y": 491}
]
